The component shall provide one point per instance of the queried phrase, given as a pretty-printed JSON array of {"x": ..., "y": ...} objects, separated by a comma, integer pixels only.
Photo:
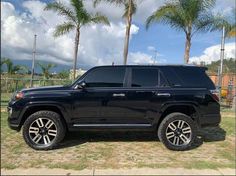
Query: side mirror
[{"x": 80, "y": 85}]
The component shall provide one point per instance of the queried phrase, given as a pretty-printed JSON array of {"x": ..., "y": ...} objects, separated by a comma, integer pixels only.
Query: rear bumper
[{"x": 210, "y": 120}]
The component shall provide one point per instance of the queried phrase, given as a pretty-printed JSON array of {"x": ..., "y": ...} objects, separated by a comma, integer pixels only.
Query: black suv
[{"x": 171, "y": 100}]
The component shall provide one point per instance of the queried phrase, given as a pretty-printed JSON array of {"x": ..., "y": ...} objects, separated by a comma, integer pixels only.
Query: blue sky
[{"x": 97, "y": 48}]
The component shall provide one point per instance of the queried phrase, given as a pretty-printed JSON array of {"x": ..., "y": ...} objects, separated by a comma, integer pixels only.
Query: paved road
[{"x": 139, "y": 171}]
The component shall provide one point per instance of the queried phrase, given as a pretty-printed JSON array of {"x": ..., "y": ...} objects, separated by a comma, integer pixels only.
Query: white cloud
[
  {"x": 144, "y": 9},
  {"x": 99, "y": 44},
  {"x": 140, "y": 58},
  {"x": 213, "y": 53},
  {"x": 224, "y": 7}
]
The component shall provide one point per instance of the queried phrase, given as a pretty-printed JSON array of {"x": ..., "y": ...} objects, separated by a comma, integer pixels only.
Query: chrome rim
[
  {"x": 179, "y": 133},
  {"x": 42, "y": 131}
]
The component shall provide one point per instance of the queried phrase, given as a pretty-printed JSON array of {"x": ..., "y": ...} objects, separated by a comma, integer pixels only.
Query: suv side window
[
  {"x": 106, "y": 77},
  {"x": 144, "y": 77},
  {"x": 162, "y": 82}
]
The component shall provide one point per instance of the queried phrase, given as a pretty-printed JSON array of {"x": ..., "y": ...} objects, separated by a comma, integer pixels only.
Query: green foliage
[
  {"x": 125, "y": 3},
  {"x": 229, "y": 66},
  {"x": 11, "y": 68},
  {"x": 77, "y": 16},
  {"x": 228, "y": 22},
  {"x": 64, "y": 74},
  {"x": 45, "y": 68},
  {"x": 191, "y": 16}
]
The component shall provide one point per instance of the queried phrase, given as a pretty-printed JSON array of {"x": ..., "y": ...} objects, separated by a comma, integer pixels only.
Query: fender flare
[
  {"x": 192, "y": 104},
  {"x": 30, "y": 105}
]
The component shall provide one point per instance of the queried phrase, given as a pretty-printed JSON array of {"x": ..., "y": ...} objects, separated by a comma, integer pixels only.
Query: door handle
[
  {"x": 118, "y": 95},
  {"x": 163, "y": 94}
]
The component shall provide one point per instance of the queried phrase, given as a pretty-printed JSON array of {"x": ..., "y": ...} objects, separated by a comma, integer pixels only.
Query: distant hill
[{"x": 229, "y": 66}]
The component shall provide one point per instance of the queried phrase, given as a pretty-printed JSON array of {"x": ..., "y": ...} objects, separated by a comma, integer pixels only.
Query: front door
[{"x": 94, "y": 105}]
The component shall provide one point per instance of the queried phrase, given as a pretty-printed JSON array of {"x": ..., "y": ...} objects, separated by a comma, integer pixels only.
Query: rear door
[{"x": 148, "y": 89}]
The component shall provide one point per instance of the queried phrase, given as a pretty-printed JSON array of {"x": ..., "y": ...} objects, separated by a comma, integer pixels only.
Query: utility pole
[
  {"x": 221, "y": 62},
  {"x": 155, "y": 56},
  {"x": 33, "y": 61}
]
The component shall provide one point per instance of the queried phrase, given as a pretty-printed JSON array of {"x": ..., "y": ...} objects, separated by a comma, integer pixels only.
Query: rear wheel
[
  {"x": 177, "y": 131},
  {"x": 43, "y": 130}
]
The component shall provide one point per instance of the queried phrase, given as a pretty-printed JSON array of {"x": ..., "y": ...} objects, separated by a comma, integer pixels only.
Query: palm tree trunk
[
  {"x": 187, "y": 48},
  {"x": 76, "y": 51},
  {"x": 127, "y": 34}
]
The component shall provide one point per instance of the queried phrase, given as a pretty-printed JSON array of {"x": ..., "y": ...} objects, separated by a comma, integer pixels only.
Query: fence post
[
  {"x": 16, "y": 88},
  {"x": 7, "y": 84}
]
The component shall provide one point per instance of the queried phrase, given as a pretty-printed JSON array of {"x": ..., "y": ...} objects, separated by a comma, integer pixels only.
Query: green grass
[
  {"x": 121, "y": 150},
  {"x": 5, "y": 97}
]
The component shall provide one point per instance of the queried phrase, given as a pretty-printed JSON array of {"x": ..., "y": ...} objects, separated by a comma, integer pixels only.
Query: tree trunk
[
  {"x": 187, "y": 48},
  {"x": 127, "y": 34},
  {"x": 76, "y": 52}
]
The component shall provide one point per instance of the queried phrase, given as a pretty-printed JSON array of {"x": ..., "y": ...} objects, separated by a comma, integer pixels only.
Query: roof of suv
[{"x": 152, "y": 66}]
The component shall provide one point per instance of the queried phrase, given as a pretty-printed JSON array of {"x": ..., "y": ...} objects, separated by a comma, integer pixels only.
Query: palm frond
[
  {"x": 63, "y": 29},
  {"x": 116, "y": 2},
  {"x": 99, "y": 18},
  {"x": 166, "y": 10},
  {"x": 190, "y": 16},
  {"x": 205, "y": 23},
  {"x": 82, "y": 14},
  {"x": 133, "y": 8},
  {"x": 61, "y": 9},
  {"x": 46, "y": 68}
]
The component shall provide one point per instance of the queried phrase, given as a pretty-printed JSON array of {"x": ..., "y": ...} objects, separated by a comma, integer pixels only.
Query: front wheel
[
  {"x": 43, "y": 130},
  {"x": 177, "y": 131}
]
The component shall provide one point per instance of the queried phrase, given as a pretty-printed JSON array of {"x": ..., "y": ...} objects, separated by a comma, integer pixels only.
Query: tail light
[{"x": 215, "y": 94}]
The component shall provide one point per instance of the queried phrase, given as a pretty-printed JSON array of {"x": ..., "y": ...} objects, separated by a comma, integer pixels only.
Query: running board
[{"x": 112, "y": 125}]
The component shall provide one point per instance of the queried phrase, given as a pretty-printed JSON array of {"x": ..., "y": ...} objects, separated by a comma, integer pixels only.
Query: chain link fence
[{"x": 10, "y": 85}]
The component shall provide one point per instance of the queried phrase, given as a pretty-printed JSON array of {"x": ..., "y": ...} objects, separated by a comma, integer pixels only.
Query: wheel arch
[
  {"x": 30, "y": 109},
  {"x": 189, "y": 109}
]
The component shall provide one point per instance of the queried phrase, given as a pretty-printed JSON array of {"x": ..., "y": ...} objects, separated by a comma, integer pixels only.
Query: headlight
[{"x": 19, "y": 95}]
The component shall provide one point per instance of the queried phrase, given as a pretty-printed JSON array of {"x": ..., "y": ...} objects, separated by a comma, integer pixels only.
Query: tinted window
[
  {"x": 171, "y": 76},
  {"x": 105, "y": 77},
  {"x": 188, "y": 77},
  {"x": 194, "y": 77},
  {"x": 162, "y": 81},
  {"x": 144, "y": 77}
]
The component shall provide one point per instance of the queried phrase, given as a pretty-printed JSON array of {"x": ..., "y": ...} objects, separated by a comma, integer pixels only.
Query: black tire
[
  {"x": 57, "y": 124},
  {"x": 164, "y": 126}
]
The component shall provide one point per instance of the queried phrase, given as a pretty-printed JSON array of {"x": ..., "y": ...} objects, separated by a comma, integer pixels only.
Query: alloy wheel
[
  {"x": 179, "y": 133},
  {"x": 42, "y": 131}
]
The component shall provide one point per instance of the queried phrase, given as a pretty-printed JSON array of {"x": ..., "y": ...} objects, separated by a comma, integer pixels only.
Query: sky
[{"x": 100, "y": 44}]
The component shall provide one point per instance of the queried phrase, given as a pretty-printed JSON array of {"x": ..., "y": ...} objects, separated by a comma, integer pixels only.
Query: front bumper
[{"x": 13, "y": 119}]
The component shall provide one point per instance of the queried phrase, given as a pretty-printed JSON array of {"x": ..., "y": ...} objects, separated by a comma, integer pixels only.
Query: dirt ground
[
  {"x": 109, "y": 152},
  {"x": 134, "y": 171}
]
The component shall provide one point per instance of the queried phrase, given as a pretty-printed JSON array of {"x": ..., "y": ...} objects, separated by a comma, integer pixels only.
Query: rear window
[
  {"x": 188, "y": 77},
  {"x": 144, "y": 77}
]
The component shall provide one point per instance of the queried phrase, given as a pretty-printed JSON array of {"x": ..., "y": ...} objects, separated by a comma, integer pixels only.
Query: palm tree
[
  {"x": 130, "y": 9},
  {"x": 228, "y": 22},
  {"x": 11, "y": 68},
  {"x": 64, "y": 74},
  {"x": 77, "y": 17},
  {"x": 46, "y": 69},
  {"x": 190, "y": 16}
]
